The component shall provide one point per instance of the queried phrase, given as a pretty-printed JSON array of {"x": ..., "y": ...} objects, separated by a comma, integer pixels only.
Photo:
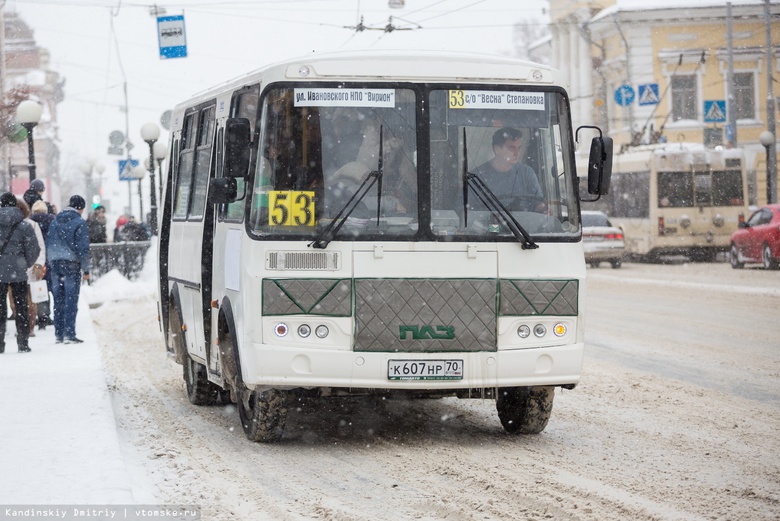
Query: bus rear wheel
[
  {"x": 199, "y": 390},
  {"x": 525, "y": 410},
  {"x": 263, "y": 414}
]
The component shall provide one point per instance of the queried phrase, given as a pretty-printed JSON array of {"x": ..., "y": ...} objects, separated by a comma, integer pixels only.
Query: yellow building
[{"x": 658, "y": 70}]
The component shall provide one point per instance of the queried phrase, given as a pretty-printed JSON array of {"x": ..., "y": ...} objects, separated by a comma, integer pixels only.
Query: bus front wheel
[
  {"x": 525, "y": 410},
  {"x": 263, "y": 414}
]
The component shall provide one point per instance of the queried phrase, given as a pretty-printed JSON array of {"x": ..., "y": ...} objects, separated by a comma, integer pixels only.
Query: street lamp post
[
  {"x": 139, "y": 172},
  {"x": 150, "y": 132},
  {"x": 160, "y": 153},
  {"x": 28, "y": 114},
  {"x": 767, "y": 139}
]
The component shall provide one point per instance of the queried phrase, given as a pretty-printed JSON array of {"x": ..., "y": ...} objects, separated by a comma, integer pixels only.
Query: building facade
[
  {"x": 659, "y": 71},
  {"x": 26, "y": 64}
]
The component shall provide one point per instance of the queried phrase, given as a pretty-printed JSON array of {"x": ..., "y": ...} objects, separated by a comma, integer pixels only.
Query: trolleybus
[
  {"x": 326, "y": 230},
  {"x": 677, "y": 199}
]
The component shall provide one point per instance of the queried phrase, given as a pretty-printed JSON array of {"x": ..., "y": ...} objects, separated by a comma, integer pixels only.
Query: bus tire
[
  {"x": 263, "y": 414},
  {"x": 616, "y": 263},
  {"x": 525, "y": 410},
  {"x": 734, "y": 257},
  {"x": 199, "y": 390}
]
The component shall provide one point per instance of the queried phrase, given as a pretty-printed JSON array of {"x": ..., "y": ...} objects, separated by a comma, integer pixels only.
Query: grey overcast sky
[{"x": 97, "y": 45}]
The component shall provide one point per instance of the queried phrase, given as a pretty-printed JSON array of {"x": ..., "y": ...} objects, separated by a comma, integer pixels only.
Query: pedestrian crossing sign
[
  {"x": 715, "y": 111},
  {"x": 648, "y": 94},
  {"x": 125, "y": 169}
]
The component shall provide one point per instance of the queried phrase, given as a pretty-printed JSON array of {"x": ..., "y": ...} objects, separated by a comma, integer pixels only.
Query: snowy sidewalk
[{"x": 58, "y": 437}]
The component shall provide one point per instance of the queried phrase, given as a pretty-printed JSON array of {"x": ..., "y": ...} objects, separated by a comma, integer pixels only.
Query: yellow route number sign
[
  {"x": 457, "y": 99},
  {"x": 290, "y": 208}
]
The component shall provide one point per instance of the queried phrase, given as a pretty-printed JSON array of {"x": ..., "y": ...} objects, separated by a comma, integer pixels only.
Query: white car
[{"x": 602, "y": 241}]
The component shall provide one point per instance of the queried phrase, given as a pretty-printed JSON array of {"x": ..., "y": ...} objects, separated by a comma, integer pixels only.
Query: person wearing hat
[
  {"x": 67, "y": 251},
  {"x": 19, "y": 250},
  {"x": 35, "y": 193}
]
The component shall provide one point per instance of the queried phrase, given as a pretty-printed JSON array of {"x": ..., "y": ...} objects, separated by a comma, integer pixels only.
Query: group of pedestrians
[{"x": 38, "y": 242}]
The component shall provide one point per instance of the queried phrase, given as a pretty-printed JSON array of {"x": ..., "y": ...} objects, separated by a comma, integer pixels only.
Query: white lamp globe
[
  {"x": 29, "y": 112},
  {"x": 138, "y": 172},
  {"x": 766, "y": 138},
  {"x": 160, "y": 151},
  {"x": 150, "y": 132}
]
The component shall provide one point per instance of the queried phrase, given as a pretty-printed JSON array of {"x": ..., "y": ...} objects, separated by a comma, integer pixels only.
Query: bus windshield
[{"x": 362, "y": 155}]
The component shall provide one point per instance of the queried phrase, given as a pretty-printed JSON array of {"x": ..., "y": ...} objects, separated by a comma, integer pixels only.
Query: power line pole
[
  {"x": 771, "y": 149},
  {"x": 731, "y": 129}
]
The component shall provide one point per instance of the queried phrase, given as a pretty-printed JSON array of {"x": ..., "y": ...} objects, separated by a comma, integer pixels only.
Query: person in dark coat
[
  {"x": 97, "y": 226},
  {"x": 67, "y": 249},
  {"x": 41, "y": 215},
  {"x": 35, "y": 193},
  {"x": 18, "y": 251}
]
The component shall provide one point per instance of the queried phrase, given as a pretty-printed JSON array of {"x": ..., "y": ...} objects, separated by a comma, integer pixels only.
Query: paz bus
[
  {"x": 324, "y": 232},
  {"x": 677, "y": 199}
]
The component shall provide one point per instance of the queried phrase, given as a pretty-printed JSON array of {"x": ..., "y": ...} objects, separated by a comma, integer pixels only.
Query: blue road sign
[
  {"x": 624, "y": 95},
  {"x": 171, "y": 36},
  {"x": 715, "y": 111},
  {"x": 729, "y": 133},
  {"x": 648, "y": 94},
  {"x": 125, "y": 169}
]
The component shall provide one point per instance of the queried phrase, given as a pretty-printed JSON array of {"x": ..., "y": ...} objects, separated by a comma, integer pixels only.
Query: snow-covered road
[{"x": 676, "y": 418}]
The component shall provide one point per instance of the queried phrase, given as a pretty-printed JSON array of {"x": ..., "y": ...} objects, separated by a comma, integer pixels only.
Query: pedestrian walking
[
  {"x": 35, "y": 273},
  {"x": 19, "y": 250},
  {"x": 35, "y": 193},
  {"x": 67, "y": 250},
  {"x": 41, "y": 215}
]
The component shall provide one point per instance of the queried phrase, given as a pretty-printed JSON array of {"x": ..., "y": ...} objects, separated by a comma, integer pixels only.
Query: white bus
[
  {"x": 325, "y": 231},
  {"x": 677, "y": 199}
]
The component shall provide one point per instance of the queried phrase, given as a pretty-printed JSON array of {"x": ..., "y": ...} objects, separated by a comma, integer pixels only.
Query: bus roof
[{"x": 384, "y": 65}]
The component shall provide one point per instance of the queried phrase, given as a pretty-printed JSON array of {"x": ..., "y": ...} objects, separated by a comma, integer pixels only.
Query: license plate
[{"x": 425, "y": 370}]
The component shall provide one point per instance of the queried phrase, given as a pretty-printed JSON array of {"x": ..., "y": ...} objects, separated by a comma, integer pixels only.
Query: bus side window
[
  {"x": 202, "y": 163},
  {"x": 183, "y": 175}
]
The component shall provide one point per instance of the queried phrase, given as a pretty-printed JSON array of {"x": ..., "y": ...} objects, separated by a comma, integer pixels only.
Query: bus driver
[{"x": 505, "y": 175}]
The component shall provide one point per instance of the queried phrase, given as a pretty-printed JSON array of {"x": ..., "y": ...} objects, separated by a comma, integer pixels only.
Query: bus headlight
[
  {"x": 322, "y": 331},
  {"x": 685, "y": 221},
  {"x": 718, "y": 220},
  {"x": 540, "y": 330},
  {"x": 523, "y": 331},
  {"x": 304, "y": 330}
]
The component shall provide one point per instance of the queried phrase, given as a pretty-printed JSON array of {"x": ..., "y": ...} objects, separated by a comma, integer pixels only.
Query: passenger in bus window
[
  {"x": 399, "y": 171},
  {"x": 513, "y": 182}
]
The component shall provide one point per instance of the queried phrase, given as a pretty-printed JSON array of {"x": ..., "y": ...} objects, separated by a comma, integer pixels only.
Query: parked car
[
  {"x": 758, "y": 239},
  {"x": 602, "y": 241}
]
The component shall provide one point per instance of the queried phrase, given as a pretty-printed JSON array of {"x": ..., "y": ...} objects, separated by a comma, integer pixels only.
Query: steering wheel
[{"x": 521, "y": 202}]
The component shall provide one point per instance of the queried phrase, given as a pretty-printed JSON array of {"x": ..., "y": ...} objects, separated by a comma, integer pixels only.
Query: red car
[{"x": 758, "y": 239}]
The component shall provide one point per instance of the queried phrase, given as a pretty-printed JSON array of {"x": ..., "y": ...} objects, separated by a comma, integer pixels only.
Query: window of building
[
  {"x": 744, "y": 95},
  {"x": 684, "y": 102}
]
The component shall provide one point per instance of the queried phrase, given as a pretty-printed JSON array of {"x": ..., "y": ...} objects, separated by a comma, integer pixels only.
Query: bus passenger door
[
  {"x": 228, "y": 230},
  {"x": 187, "y": 246}
]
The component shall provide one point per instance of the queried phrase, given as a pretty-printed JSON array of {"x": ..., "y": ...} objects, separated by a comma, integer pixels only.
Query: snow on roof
[{"x": 651, "y": 5}]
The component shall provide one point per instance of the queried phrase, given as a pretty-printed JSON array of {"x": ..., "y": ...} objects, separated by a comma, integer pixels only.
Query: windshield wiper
[
  {"x": 491, "y": 202},
  {"x": 329, "y": 232}
]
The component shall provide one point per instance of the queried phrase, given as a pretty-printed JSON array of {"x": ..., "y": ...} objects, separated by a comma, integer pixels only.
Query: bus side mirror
[
  {"x": 237, "y": 147},
  {"x": 223, "y": 190},
  {"x": 600, "y": 165}
]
